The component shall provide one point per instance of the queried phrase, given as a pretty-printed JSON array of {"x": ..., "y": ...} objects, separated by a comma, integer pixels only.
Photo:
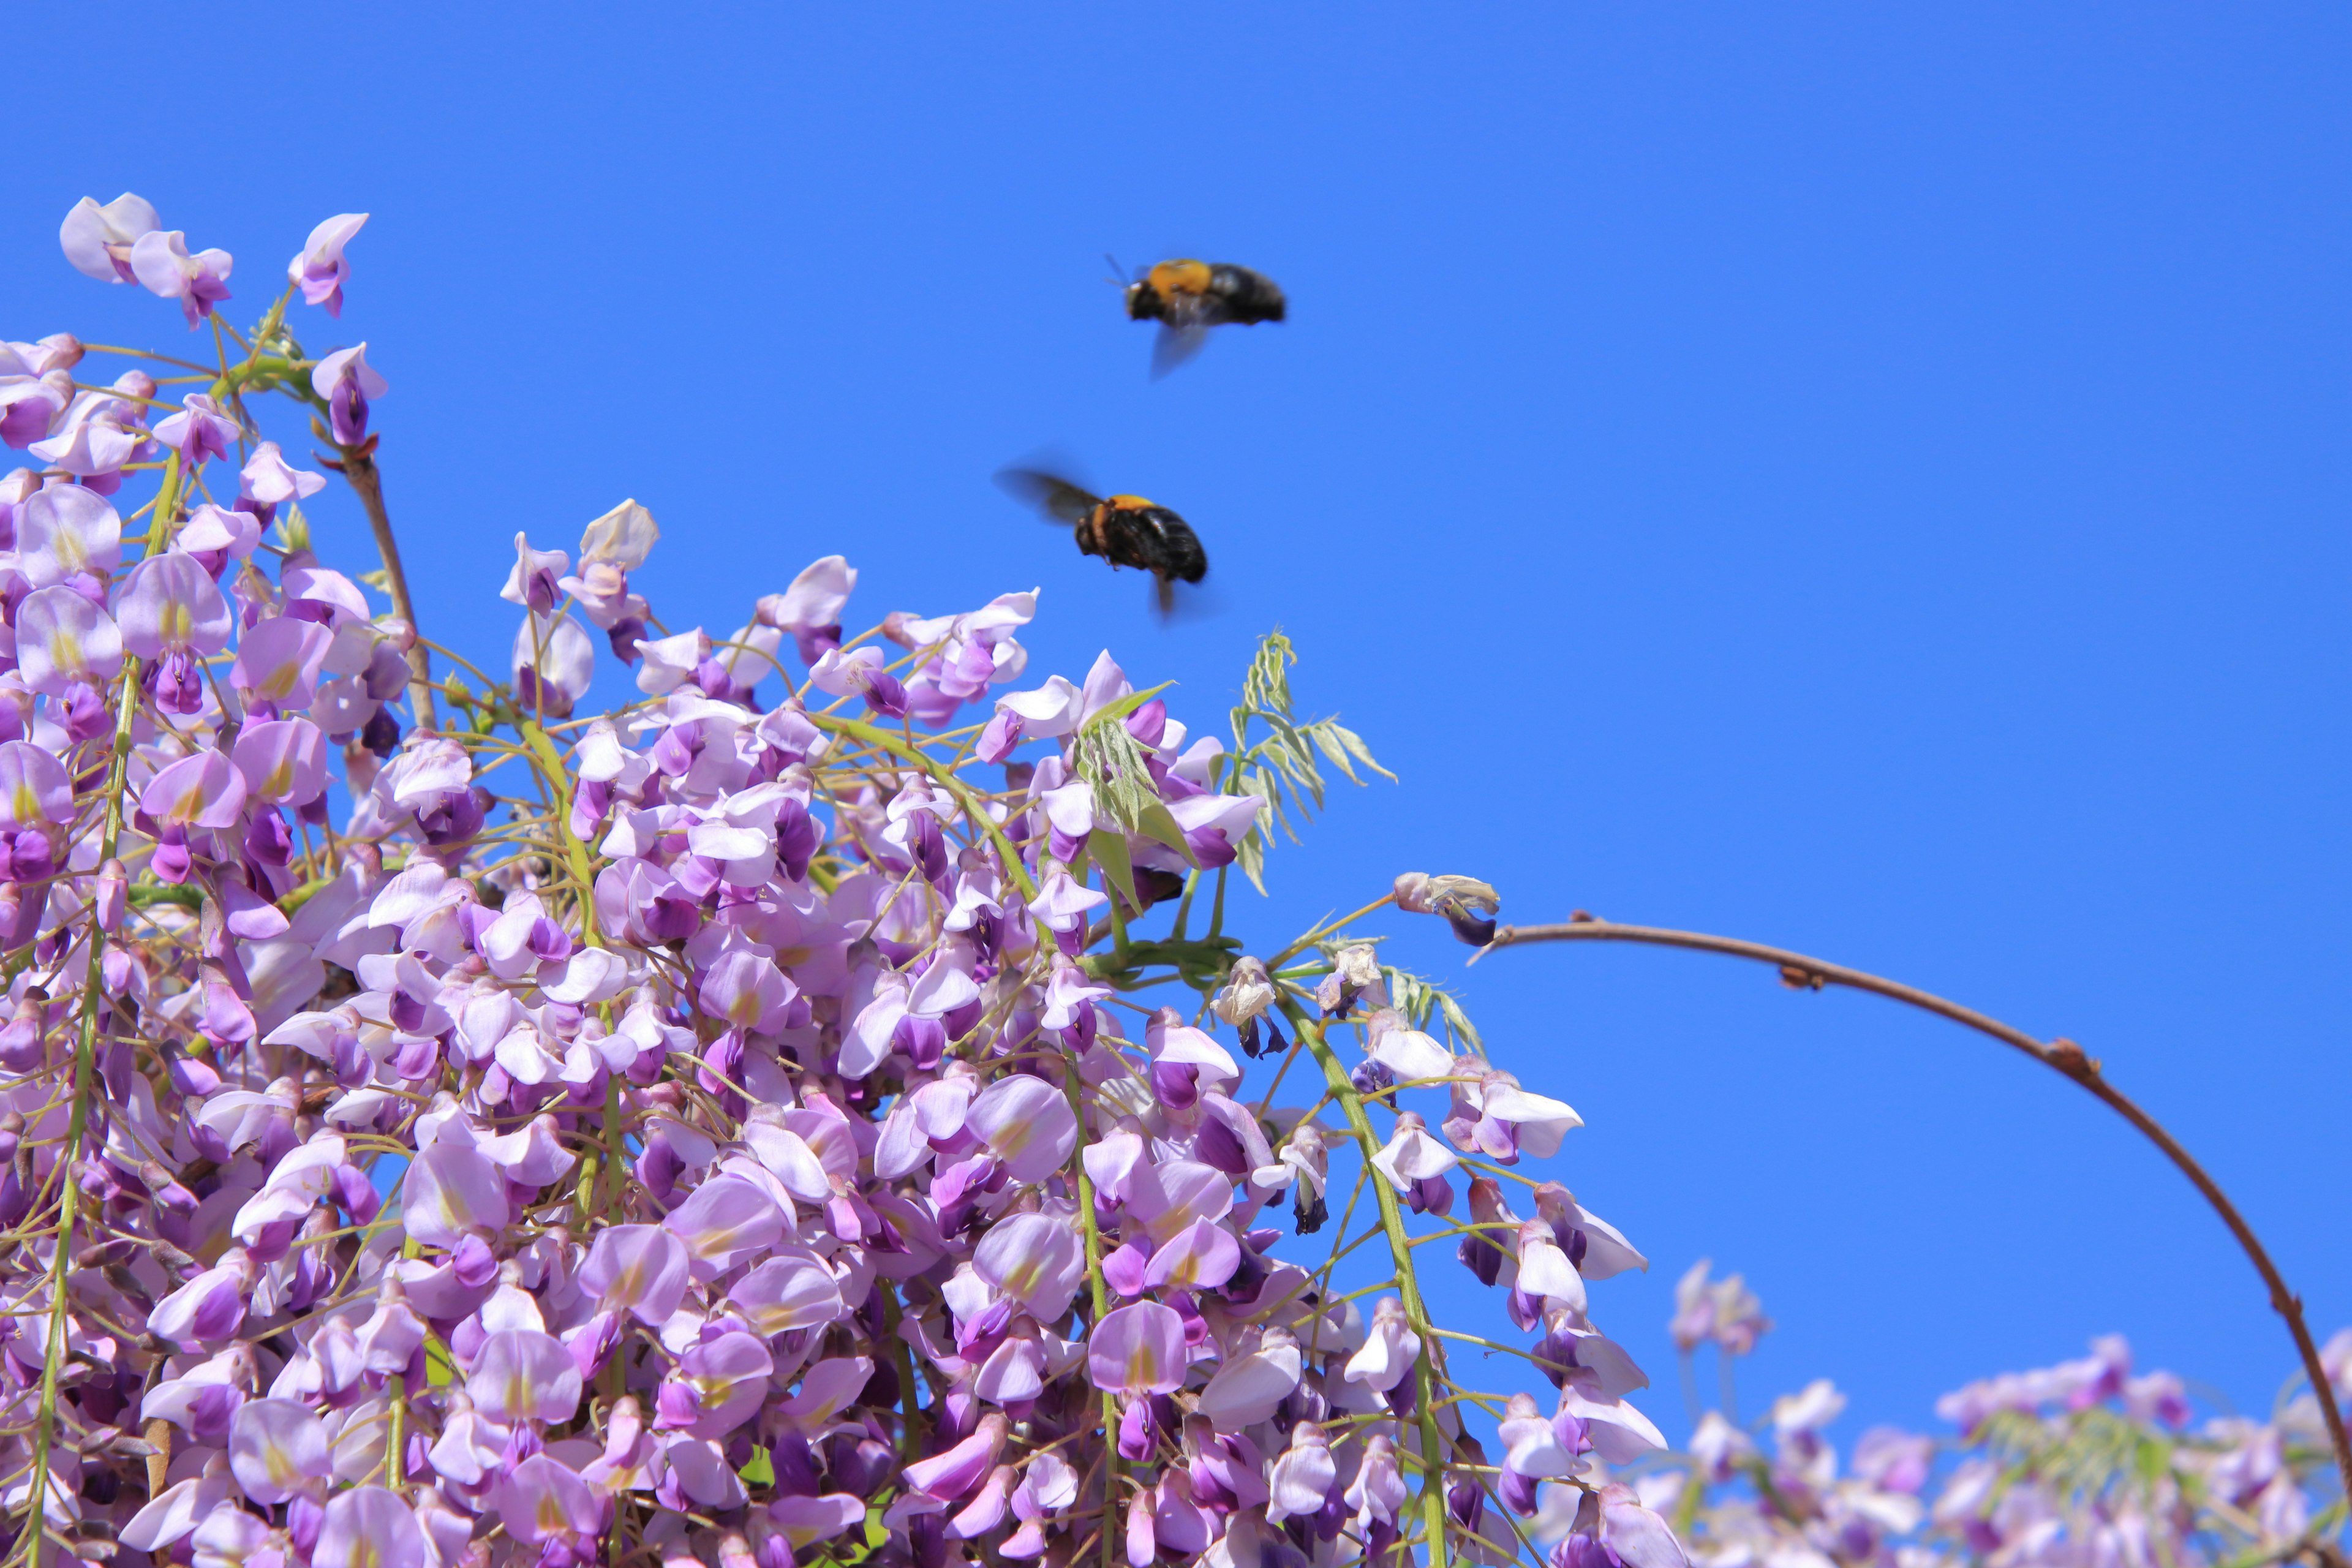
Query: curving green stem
[
  {"x": 882, "y": 740},
  {"x": 549, "y": 762},
  {"x": 1433, "y": 1445}
]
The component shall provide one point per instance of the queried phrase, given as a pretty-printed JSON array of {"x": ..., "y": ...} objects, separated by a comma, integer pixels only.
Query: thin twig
[
  {"x": 2064, "y": 1056},
  {"x": 367, "y": 482}
]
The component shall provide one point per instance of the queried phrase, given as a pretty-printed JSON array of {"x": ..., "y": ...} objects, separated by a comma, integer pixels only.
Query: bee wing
[
  {"x": 1175, "y": 602},
  {"x": 1175, "y": 346},
  {"x": 1060, "y": 500}
]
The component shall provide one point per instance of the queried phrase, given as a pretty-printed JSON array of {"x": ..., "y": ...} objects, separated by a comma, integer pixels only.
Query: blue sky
[{"x": 1866, "y": 478}]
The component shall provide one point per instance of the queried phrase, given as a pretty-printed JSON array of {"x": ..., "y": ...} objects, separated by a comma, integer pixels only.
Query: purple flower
[
  {"x": 66, "y": 532},
  {"x": 64, "y": 640},
  {"x": 283, "y": 761},
  {"x": 727, "y": 1220},
  {"x": 209, "y": 1307},
  {"x": 319, "y": 267},
  {"x": 98, "y": 239},
  {"x": 1137, "y": 1350},
  {"x": 554, "y": 661},
  {"x": 349, "y": 383},
  {"x": 278, "y": 661},
  {"x": 30, "y": 401},
  {"x": 1635, "y": 1534},
  {"x": 1037, "y": 1259},
  {"x": 524, "y": 1374},
  {"x": 35, "y": 791},
  {"x": 369, "y": 1527},
  {"x": 954, "y": 1473},
  {"x": 542, "y": 1500},
  {"x": 278, "y": 1449},
  {"x": 811, "y": 609},
  {"x": 533, "y": 582},
  {"x": 1026, "y": 1123},
  {"x": 788, "y": 1292},
  {"x": 170, "y": 605},
  {"x": 161, "y": 262},
  {"x": 1304, "y": 1478},
  {"x": 271, "y": 480},
  {"x": 637, "y": 1268},
  {"x": 214, "y": 534},
  {"x": 199, "y": 431},
  {"x": 451, "y": 1190},
  {"x": 1390, "y": 1349},
  {"x": 859, "y": 672}
]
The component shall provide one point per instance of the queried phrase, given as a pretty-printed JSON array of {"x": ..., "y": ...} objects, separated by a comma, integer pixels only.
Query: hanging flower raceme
[{"x": 748, "y": 1123}]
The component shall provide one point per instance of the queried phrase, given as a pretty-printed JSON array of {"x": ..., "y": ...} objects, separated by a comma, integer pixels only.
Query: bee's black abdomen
[
  {"x": 1248, "y": 297},
  {"x": 1180, "y": 555}
]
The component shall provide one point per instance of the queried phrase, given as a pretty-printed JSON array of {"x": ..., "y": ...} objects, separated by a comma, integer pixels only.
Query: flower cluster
[
  {"x": 737, "y": 1126},
  {"x": 2084, "y": 1465}
]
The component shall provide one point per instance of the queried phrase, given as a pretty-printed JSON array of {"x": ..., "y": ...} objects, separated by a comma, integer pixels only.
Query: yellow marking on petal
[
  {"x": 279, "y": 779},
  {"x": 177, "y": 622},
  {"x": 65, "y": 651},
  {"x": 22, "y": 804},
  {"x": 281, "y": 681}
]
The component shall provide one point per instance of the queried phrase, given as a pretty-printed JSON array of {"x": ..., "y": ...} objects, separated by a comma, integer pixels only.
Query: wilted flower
[{"x": 1467, "y": 904}]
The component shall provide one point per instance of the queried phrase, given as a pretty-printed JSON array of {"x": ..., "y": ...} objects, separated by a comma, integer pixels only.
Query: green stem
[
  {"x": 1102, "y": 1298},
  {"x": 882, "y": 740},
  {"x": 1325, "y": 929},
  {"x": 1433, "y": 1440},
  {"x": 551, "y": 772},
  {"x": 84, "y": 1061}
]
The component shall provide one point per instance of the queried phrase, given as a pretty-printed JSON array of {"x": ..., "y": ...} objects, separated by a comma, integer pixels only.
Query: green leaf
[
  {"x": 1158, "y": 822},
  {"x": 1108, "y": 848},
  {"x": 1279, "y": 768}
]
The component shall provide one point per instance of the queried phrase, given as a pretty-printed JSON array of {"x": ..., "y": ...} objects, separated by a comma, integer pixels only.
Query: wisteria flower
[
  {"x": 554, "y": 662},
  {"x": 319, "y": 268},
  {"x": 349, "y": 383},
  {"x": 199, "y": 431},
  {"x": 63, "y": 641},
  {"x": 98, "y": 239},
  {"x": 810, "y": 610},
  {"x": 161, "y": 262}
]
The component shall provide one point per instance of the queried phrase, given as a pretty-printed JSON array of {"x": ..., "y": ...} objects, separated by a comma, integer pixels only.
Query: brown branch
[
  {"x": 359, "y": 467},
  {"x": 2064, "y": 1056}
]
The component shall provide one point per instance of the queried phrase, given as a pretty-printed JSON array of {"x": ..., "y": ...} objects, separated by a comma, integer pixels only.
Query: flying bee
[
  {"x": 1188, "y": 298},
  {"x": 1126, "y": 530}
]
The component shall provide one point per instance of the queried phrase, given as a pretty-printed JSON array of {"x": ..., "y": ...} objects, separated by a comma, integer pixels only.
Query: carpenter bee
[
  {"x": 1188, "y": 298},
  {"x": 1126, "y": 530}
]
